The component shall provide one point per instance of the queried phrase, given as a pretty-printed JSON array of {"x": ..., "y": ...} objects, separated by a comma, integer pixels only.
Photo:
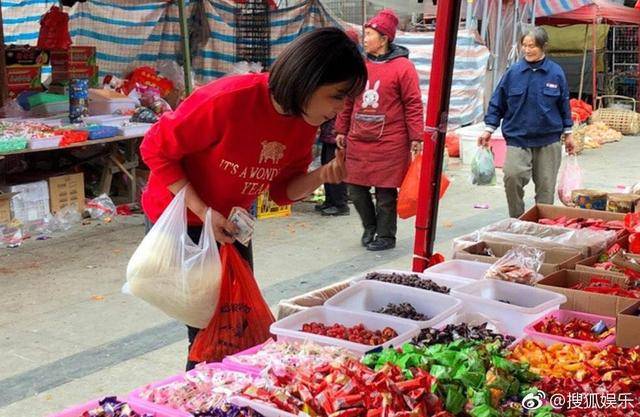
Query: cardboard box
[
  {"x": 547, "y": 211},
  {"x": 31, "y": 201},
  {"x": 554, "y": 260},
  {"x": 628, "y": 326},
  {"x": 587, "y": 264},
  {"x": 25, "y": 77},
  {"x": 5, "y": 207},
  {"x": 66, "y": 73},
  {"x": 67, "y": 190},
  {"x": 587, "y": 302},
  {"x": 78, "y": 54},
  {"x": 25, "y": 55}
]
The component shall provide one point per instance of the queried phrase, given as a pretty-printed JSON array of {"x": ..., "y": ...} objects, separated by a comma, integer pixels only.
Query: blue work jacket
[{"x": 533, "y": 104}]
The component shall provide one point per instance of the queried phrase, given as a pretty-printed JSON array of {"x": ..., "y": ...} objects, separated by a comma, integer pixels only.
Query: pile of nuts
[
  {"x": 403, "y": 310},
  {"x": 408, "y": 280}
]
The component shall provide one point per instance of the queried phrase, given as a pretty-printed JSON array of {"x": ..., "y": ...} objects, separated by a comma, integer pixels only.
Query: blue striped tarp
[{"x": 132, "y": 33}]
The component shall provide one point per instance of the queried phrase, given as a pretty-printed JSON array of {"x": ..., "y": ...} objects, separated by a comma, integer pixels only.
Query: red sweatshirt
[{"x": 229, "y": 142}]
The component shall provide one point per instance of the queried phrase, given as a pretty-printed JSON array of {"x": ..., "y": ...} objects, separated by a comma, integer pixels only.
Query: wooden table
[{"x": 112, "y": 164}]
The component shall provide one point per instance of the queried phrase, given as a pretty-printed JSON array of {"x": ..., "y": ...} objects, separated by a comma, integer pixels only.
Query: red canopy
[{"x": 600, "y": 11}]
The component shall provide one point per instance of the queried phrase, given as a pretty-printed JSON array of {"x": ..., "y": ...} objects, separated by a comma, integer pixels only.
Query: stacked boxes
[
  {"x": 76, "y": 62},
  {"x": 24, "y": 68}
]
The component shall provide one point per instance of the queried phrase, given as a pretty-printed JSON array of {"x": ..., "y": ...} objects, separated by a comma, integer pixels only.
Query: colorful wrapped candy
[
  {"x": 200, "y": 391},
  {"x": 111, "y": 407},
  {"x": 471, "y": 377}
]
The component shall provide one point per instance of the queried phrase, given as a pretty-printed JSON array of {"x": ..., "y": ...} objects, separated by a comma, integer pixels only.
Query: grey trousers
[{"x": 521, "y": 165}]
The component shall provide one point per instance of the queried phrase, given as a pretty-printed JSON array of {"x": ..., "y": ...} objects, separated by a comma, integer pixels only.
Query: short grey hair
[{"x": 539, "y": 35}]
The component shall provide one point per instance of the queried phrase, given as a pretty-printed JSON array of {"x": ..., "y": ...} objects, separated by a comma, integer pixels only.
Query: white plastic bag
[
  {"x": 569, "y": 179},
  {"x": 483, "y": 169},
  {"x": 169, "y": 271},
  {"x": 520, "y": 265}
]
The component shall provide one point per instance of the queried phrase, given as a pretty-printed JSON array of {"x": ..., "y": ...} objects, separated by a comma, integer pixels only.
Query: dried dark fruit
[
  {"x": 453, "y": 332},
  {"x": 408, "y": 280},
  {"x": 403, "y": 310}
]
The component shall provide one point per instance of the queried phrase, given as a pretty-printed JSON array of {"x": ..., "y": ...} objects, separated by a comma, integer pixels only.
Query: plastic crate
[
  {"x": 12, "y": 145},
  {"x": 268, "y": 209},
  {"x": 369, "y": 296},
  {"x": 290, "y": 327},
  {"x": 448, "y": 281},
  {"x": 564, "y": 316},
  {"x": 77, "y": 410},
  {"x": 134, "y": 398},
  {"x": 460, "y": 268},
  {"x": 513, "y": 305}
]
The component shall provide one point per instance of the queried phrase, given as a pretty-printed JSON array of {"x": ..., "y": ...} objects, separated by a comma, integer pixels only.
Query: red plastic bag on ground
[
  {"x": 242, "y": 318},
  {"x": 410, "y": 188},
  {"x": 452, "y": 143}
]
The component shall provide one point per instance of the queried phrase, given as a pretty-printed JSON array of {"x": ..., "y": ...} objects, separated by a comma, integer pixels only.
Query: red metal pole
[{"x": 444, "y": 49}]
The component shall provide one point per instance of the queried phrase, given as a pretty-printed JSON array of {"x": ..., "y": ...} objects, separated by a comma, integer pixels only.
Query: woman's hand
[
  {"x": 416, "y": 147},
  {"x": 485, "y": 139},
  {"x": 335, "y": 171},
  {"x": 569, "y": 144},
  {"x": 341, "y": 141},
  {"x": 223, "y": 229}
]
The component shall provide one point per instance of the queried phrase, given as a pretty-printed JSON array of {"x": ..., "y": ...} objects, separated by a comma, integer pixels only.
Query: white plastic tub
[
  {"x": 100, "y": 107},
  {"x": 290, "y": 328},
  {"x": 50, "y": 142},
  {"x": 527, "y": 303},
  {"x": 369, "y": 296},
  {"x": 450, "y": 282},
  {"x": 469, "y": 140},
  {"x": 460, "y": 268}
]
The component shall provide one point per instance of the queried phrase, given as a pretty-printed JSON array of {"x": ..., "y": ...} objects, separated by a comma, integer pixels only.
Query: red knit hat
[{"x": 385, "y": 22}]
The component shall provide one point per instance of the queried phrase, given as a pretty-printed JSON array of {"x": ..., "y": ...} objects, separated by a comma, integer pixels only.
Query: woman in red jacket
[
  {"x": 380, "y": 129},
  {"x": 239, "y": 136}
]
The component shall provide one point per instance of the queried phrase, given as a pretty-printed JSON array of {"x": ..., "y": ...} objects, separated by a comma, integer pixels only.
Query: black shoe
[
  {"x": 320, "y": 207},
  {"x": 367, "y": 237},
  {"x": 336, "y": 211},
  {"x": 381, "y": 243}
]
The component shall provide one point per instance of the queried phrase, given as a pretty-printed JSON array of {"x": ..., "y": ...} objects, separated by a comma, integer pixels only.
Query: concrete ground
[{"x": 67, "y": 333}]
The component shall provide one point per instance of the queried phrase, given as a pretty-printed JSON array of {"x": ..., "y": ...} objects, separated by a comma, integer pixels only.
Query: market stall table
[{"x": 112, "y": 165}]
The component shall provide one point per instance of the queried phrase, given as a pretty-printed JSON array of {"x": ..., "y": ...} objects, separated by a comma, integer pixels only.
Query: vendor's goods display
[
  {"x": 603, "y": 285},
  {"x": 206, "y": 388},
  {"x": 357, "y": 334},
  {"x": 453, "y": 332},
  {"x": 470, "y": 377},
  {"x": 280, "y": 356},
  {"x": 520, "y": 265},
  {"x": 403, "y": 310},
  {"x": 584, "y": 223},
  {"x": 575, "y": 329},
  {"x": 409, "y": 280},
  {"x": 351, "y": 389},
  {"x": 597, "y": 134}
]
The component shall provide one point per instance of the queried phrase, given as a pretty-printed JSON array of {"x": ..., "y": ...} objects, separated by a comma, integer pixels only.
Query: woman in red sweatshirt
[
  {"x": 239, "y": 136},
  {"x": 380, "y": 129}
]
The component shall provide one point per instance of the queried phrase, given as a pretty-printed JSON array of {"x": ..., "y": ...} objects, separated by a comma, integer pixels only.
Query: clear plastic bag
[
  {"x": 483, "y": 169},
  {"x": 519, "y": 232},
  {"x": 569, "y": 179},
  {"x": 520, "y": 265},
  {"x": 101, "y": 207},
  {"x": 169, "y": 271}
]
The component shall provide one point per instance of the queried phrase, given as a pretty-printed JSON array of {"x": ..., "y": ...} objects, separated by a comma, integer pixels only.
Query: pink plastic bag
[{"x": 569, "y": 179}]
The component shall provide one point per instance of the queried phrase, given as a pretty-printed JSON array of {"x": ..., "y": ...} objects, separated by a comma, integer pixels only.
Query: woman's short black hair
[
  {"x": 539, "y": 35},
  {"x": 323, "y": 56}
]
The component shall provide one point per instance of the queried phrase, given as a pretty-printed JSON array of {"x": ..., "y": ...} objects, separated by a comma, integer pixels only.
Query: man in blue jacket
[{"x": 532, "y": 100}]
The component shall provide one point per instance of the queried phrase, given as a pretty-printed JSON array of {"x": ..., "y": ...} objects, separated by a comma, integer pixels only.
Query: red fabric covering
[{"x": 600, "y": 11}]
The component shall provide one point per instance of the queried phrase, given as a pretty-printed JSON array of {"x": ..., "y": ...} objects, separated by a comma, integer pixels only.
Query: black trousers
[
  {"x": 381, "y": 217},
  {"x": 336, "y": 194},
  {"x": 194, "y": 233}
]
